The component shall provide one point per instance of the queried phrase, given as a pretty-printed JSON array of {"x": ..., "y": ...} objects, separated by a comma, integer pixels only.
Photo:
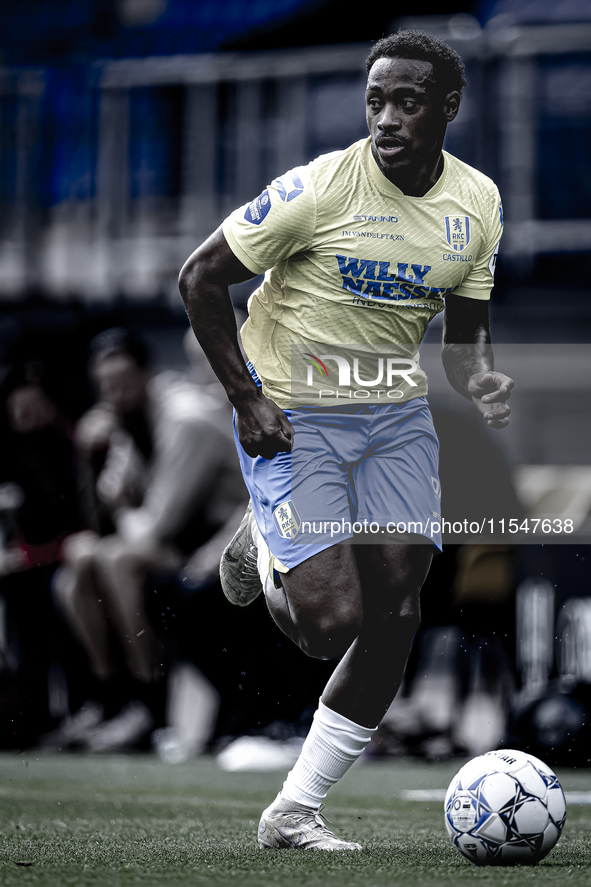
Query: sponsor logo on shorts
[
  {"x": 457, "y": 232},
  {"x": 436, "y": 484},
  {"x": 287, "y": 520}
]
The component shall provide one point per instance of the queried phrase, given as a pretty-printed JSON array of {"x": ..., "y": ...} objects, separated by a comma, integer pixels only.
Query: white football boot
[
  {"x": 239, "y": 573},
  {"x": 286, "y": 825}
]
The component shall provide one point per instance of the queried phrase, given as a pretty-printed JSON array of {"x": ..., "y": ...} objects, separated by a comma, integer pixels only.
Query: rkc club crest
[
  {"x": 457, "y": 232},
  {"x": 287, "y": 520}
]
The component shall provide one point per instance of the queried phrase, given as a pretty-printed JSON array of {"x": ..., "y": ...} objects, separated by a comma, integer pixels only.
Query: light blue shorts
[{"x": 365, "y": 472}]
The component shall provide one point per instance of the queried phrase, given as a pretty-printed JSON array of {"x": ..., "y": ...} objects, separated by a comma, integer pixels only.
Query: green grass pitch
[{"x": 83, "y": 820}]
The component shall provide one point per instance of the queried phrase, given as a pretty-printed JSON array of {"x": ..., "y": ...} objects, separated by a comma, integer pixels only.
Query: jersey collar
[{"x": 388, "y": 187}]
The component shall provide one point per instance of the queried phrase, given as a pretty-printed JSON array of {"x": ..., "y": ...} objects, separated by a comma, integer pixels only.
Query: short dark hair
[
  {"x": 118, "y": 340},
  {"x": 448, "y": 67}
]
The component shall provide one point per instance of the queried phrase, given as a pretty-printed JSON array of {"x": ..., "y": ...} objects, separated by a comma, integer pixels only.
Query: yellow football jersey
[{"x": 349, "y": 260}]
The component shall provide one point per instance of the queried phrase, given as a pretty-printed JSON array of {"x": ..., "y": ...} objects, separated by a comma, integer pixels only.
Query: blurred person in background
[
  {"x": 38, "y": 511},
  {"x": 159, "y": 479}
]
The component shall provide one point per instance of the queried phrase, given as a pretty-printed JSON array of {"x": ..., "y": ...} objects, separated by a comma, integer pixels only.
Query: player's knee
[
  {"x": 392, "y": 629},
  {"x": 402, "y": 602},
  {"x": 330, "y": 636}
]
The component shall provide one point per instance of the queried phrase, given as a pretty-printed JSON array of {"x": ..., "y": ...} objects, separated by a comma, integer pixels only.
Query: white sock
[
  {"x": 332, "y": 745},
  {"x": 334, "y": 742}
]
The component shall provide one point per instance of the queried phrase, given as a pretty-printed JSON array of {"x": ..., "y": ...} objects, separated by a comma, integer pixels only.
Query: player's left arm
[
  {"x": 467, "y": 352},
  {"x": 468, "y": 359}
]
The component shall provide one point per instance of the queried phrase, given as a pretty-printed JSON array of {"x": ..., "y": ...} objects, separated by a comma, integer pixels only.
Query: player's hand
[
  {"x": 490, "y": 392},
  {"x": 263, "y": 428}
]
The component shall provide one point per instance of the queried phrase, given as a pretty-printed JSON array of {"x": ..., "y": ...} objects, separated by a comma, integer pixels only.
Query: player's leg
[
  {"x": 366, "y": 680},
  {"x": 331, "y": 602},
  {"x": 386, "y": 584},
  {"x": 323, "y": 624},
  {"x": 320, "y": 608}
]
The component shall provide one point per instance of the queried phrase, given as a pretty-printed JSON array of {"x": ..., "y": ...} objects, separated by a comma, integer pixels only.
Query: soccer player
[{"x": 364, "y": 245}]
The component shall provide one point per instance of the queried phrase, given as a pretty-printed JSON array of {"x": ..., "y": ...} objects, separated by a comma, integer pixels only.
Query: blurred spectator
[
  {"x": 38, "y": 510},
  {"x": 160, "y": 472}
]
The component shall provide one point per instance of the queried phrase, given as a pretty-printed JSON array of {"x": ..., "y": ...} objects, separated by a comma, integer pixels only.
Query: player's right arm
[{"x": 263, "y": 428}]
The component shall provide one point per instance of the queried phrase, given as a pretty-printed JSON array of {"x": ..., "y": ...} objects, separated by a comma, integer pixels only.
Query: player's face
[{"x": 407, "y": 120}]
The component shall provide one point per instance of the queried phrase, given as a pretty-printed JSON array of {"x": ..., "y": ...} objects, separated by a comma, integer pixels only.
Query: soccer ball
[{"x": 505, "y": 808}]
